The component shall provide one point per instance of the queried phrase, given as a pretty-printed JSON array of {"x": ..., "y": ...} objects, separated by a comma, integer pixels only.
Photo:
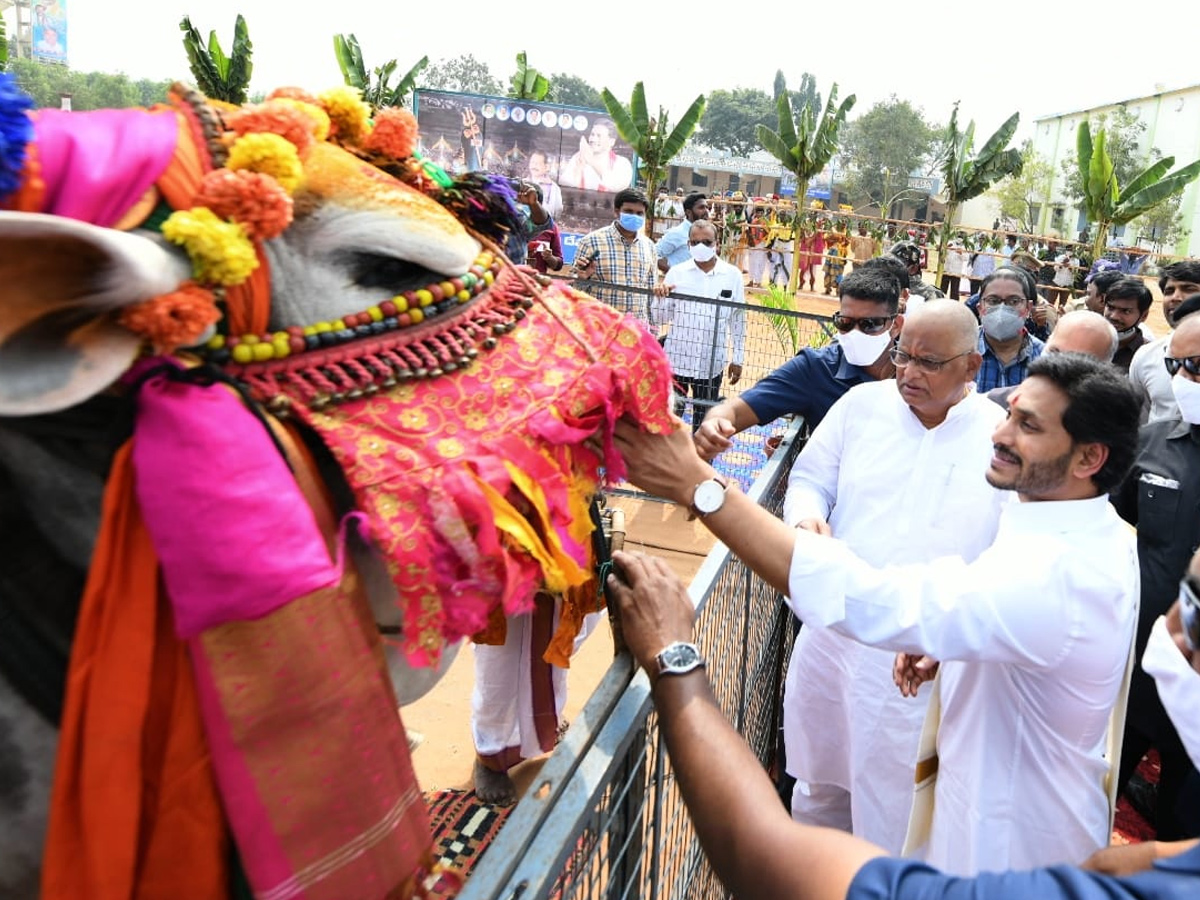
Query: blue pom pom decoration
[{"x": 16, "y": 131}]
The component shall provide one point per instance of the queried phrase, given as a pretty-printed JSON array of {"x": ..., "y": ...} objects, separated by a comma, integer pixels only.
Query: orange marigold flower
[
  {"x": 394, "y": 134},
  {"x": 275, "y": 118},
  {"x": 253, "y": 200},
  {"x": 174, "y": 320},
  {"x": 293, "y": 93}
]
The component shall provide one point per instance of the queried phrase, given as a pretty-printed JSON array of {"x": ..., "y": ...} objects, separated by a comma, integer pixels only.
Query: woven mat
[{"x": 463, "y": 827}]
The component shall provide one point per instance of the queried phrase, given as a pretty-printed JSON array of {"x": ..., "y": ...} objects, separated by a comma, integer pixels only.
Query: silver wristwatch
[
  {"x": 678, "y": 659},
  {"x": 709, "y": 496}
]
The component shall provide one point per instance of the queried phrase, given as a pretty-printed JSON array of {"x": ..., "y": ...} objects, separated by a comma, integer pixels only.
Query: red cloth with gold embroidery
[{"x": 476, "y": 483}]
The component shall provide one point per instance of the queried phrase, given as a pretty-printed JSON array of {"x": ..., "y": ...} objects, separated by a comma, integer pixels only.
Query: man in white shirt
[
  {"x": 1147, "y": 373},
  {"x": 1034, "y": 635},
  {"x": 904, "y": 459},
  {"x": 697, "y": 343}
]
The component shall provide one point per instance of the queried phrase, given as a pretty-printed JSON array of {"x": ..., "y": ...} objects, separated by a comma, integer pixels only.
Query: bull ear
[{"x": 62, "y": 284}]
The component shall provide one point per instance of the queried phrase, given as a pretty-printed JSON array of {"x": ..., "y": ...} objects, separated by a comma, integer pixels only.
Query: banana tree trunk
[
  {"x": 1100, "y": 244},
  {"x": 801, "y": 193},
  {"x": 951, "y": 210}
]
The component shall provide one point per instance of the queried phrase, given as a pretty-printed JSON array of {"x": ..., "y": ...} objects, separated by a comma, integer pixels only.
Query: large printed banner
[
  {"x": 574, "y": 155},
  {"x": 50, "y": 31}
]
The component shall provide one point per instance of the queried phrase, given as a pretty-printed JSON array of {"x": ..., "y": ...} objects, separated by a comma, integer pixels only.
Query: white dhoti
[
  {"x": 518, "y": 697},
  {"x": 758, "y": 265}
]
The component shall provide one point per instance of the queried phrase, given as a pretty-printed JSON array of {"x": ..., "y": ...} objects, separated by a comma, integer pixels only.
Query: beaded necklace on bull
[{"x": 256, "y": 153}]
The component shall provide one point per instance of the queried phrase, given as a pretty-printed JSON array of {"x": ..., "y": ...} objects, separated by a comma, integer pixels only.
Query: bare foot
[{"x": 494, "y": 787}]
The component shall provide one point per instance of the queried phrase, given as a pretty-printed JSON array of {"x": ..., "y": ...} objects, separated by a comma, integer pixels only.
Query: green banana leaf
[
  {"x": 201, "y": 64},
  {"x": 1101, "y": 183},
  {"x": 626, "y": 127},
  {"x": 350, "y": 60},
  {"x": 241, "y": 65},
  {"x": 684, "y": 129},
  {"x": 637, "y": 109},
  {"x": 1150, "y": 175},
  {"x": 1154, "y": 194}
]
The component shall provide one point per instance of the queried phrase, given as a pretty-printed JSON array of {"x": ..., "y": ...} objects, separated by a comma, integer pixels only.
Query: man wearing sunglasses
[
  {"x": 905, "y": 459},
  {"x": 867, "y": 322},
  {"x": 1179, "y": 282},
  {"x": 1161, "y": 497}
]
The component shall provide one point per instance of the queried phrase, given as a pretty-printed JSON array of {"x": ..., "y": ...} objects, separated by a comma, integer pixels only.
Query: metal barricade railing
[{"x": 604, "y": 818}]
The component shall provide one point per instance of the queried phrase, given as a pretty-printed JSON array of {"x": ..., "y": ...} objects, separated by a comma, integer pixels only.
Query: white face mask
[
  {"x": 702, "y": 253},
  {"x": 863, "y": 349},
  {"x": 1178, "y": 686},
  {"x": 1187, "y": 395}
]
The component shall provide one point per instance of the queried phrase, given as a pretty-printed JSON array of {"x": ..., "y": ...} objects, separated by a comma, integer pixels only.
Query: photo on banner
[
  {"x": 50, "y": 31},
  {"x": 574, "y": 155}
]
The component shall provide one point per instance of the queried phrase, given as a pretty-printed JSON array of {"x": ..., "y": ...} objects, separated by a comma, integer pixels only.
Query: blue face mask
[{"x": 631, "y": 221}]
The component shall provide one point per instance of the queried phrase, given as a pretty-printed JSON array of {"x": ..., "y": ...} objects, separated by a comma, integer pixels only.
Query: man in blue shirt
[
  {"x": 868, "y": 320},
  {"x": 1006, "y": 298},
  {"x": 673, "y": 245}
]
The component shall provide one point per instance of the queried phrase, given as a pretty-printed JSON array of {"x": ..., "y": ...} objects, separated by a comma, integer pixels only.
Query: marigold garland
[
  {"x": 174, "y": 320},
  {"x": 348, "y": 113},
  {"x": 285, "y": 120},
  {"x": 269, "y": 154},
  {"x": 220, "y": 251},
  {"x": 394, "y": 134},
  {"x": 255, "y": 201},
  {"x": 321, "y": 125}
]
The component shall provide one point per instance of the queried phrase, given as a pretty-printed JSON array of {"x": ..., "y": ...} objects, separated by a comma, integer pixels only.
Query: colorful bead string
[{"x": 405, "y": 310}]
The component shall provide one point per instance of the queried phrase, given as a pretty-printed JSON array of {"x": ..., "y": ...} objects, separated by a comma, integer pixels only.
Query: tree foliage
[
  {"x": 220, "y": 77},
  {"x": 654, "y": 140},
  {"x": 1021, "y": 195},
  {"x": 806, "y": 141},
  {"x": 1107, "y": 201},
  {"x": 1123, "y": 137},
  {"x": 882, "y": 147},
  {"x": 46, "y": 85},
  {"x": 377, "y": 91},
  {"x": 730, "y": 119},
  {"x": 806, "y": 96},
  {"x": 527, "y": 83},
  {"x": 571, "y": 90},
  {"x": 1163, "y": 225},
  {"x": 462, "y": 73},
  {"x": 965, "y": 176}
]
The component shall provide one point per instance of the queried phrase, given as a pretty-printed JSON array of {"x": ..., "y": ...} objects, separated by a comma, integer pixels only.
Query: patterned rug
[
  {"x": 1129, "y": 826},
  {"x": 463, "y": 827}
]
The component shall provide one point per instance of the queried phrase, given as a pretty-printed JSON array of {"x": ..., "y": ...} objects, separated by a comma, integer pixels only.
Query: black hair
[
  {"x": 1106, "y": 279},
  {"x": 1102, "y": 408},
  {"x": 690, "y": 201},
  {"x": 1012, "y": 273},
  {"x": 890, "y": 264},
  {"x": 630, "y": 195},
  {"x": 873, "y": 285},
  {"x": 1184, "y": 270},
  {"x": 1128, "y": 288}
]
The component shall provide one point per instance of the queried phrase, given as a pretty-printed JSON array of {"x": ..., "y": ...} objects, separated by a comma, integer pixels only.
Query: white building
[{"x": 1172, "y": 120}]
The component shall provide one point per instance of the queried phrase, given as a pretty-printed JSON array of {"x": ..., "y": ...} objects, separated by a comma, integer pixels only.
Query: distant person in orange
[{"x": 596, "y": 166}]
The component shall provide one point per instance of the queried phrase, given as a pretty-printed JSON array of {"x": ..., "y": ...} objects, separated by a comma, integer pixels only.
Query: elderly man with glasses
[
  {"x": 867, "y": 321},
  {"x": 896, "y": 471},
  {"x": 1160, "y": 497}
]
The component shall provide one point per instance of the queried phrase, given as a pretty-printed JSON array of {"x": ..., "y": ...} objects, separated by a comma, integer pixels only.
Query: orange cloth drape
[{"x": 134, "y": 812}]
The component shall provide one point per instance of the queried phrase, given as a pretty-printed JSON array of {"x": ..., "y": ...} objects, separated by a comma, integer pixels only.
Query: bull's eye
[{"x": 372, "y": 271}]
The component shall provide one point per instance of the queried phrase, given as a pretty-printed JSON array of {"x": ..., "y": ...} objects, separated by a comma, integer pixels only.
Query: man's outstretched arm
[{"x": 752, "y": 842}]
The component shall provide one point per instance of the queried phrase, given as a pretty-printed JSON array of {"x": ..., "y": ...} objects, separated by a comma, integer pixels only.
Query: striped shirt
[{"x": 620, "y": 262}]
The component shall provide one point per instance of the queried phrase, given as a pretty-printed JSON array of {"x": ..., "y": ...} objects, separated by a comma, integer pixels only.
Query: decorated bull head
[{"x": 314, "y": 325}]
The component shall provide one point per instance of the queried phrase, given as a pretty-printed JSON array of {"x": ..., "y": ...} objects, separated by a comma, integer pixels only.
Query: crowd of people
[{"x": 989, "y": 538}]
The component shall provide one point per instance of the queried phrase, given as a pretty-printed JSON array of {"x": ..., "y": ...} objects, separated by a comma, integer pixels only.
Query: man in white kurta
[
  {"x": 895, "y": 490},
  {"x": 1033, "y": 637}
]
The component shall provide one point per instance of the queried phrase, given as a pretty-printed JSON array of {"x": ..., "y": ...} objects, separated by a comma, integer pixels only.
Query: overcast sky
[{"x": 995, "y": 57}]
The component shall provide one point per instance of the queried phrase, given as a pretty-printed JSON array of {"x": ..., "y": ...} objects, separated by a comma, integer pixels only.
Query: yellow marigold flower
[
  {"x": 348, "y": 113},
  {"x": 319, "y": 117},
  {"x": 269, "y": 154},
  {"x": 220, "y": 251}
]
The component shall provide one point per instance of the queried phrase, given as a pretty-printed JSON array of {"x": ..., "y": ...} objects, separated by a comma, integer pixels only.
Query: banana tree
[
  {"x": 804, "y": 145},
  {"x": 967, "y": 177},
  {"x": 3, "y": 46},
  {"x": 220, "y": 77},
  {"x": 1107, "y": 203},
  {"x": 378, "y": 93},
  {"x": 654, "y": 141},
  {"x": 527, "y": 83}
]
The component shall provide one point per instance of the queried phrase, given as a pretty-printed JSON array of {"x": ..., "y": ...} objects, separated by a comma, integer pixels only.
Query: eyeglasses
[
  {"x": 707, "y": 243},
  {"x": 865, "y": 324},
  {"x": 1189, "y": 613},
  {"x": 931, "y": 366},
  {"x": 1010, "y": 302},
  {"x": 1191, "y": 363}
]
